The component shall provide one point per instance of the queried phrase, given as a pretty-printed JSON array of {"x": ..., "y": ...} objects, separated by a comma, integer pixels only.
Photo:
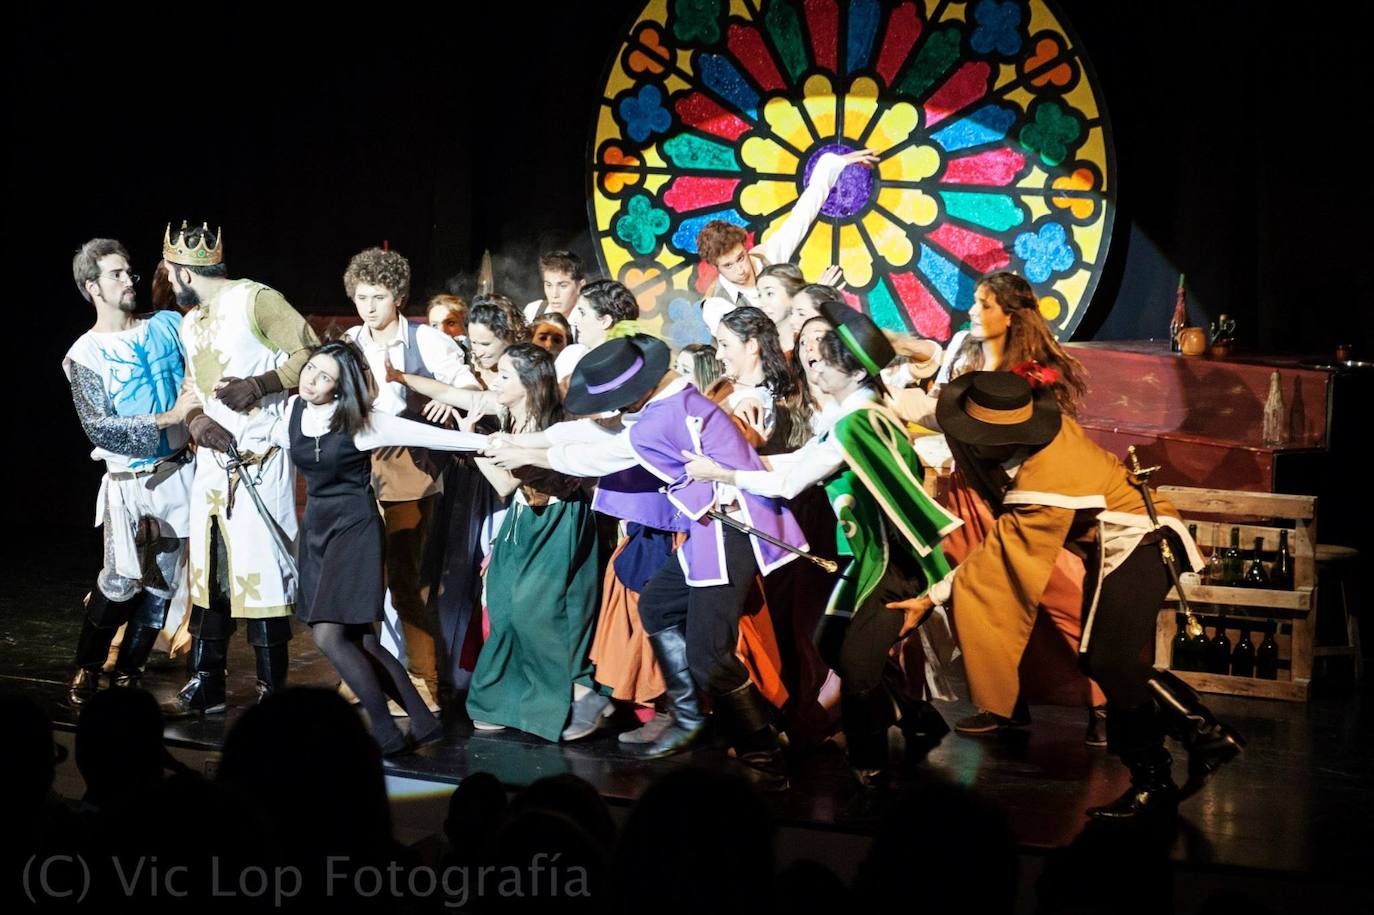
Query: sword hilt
[{"x": 1140, "y": 473}]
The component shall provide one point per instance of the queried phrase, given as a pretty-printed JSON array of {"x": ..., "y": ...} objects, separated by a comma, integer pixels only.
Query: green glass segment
[{"x": 997, "y": 212}]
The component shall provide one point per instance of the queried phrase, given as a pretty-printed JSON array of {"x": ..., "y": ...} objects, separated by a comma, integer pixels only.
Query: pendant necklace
[{"x": 317, "y": 448}]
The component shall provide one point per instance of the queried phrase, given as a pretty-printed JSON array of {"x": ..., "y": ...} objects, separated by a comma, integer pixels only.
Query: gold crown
[{"x": 181, "y": 252}]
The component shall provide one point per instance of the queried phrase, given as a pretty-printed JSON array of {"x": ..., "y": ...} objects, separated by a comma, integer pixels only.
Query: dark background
[{"x": 1238, "y": 129}]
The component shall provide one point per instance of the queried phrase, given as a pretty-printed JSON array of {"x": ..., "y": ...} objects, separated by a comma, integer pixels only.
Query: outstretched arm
[
  {"x": 782, "y": 244},
  {"x": 791, "y": 473},
  {"x": 386, "y": 431},
  {"x": 464, "y": 399}
]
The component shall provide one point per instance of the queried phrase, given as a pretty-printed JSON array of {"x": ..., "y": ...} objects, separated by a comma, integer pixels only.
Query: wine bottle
[
  {"x": 1243, "y": 658},
  {"x": 1181, "y": 649},
  {"x": 1179, "y": 320},
  {"x": 1219, "y": 650},
  {"x": 1273, "y": 431},
  {"x": 1281, "y": 572},
  {"x": 1234, "y": 565},
  {"x": 1215, "y": 573},
  {"x": 1267, "y": 655},
  {"x": 1198, "y": 642},
  {"x": 1255, "y": 574}
]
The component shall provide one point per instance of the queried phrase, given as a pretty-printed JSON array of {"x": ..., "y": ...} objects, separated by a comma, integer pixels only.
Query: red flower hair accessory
[{"x": 1037, "y": 375}]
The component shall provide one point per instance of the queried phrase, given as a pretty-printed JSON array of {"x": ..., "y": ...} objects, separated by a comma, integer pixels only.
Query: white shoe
[{"x": 487, "y": 726}]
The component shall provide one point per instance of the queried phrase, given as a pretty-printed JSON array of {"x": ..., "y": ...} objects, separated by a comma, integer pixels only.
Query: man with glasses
[
  {"x": 245, "y": 346},
  {"x": 125, "y": 374}
]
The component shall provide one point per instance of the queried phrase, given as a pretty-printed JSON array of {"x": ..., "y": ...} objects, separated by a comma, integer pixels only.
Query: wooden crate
[{"x": 1216, "y": 511}]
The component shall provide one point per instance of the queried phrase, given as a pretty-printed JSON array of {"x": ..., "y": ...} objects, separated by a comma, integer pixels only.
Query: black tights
[{"x": 373, "y": 674}]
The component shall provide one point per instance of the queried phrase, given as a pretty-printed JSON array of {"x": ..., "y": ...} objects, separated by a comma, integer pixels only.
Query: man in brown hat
[{"x": 1050, "y": 487}]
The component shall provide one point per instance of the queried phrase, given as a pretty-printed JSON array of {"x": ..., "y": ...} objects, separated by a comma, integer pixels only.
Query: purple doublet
[{"x": 658, "y": 494}]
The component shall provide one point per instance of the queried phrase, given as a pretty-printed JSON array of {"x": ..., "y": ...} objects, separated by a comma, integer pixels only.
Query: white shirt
[
  {"x": 585, "y": 448},
  {"x": 399, "y": 475},
  {"x": 566, "y": 361},
  {"x": 819, "y": 459},
  {"x": 383, "y": 431},
  {"x": 951, "y": 353},
  {"x": 532, "y": 309},
  {"x": 438, "y": 352},
  {"x": 782, "y": 244}
]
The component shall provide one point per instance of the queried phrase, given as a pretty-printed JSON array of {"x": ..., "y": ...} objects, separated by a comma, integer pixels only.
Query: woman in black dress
[{"x": 330, "y": 429}]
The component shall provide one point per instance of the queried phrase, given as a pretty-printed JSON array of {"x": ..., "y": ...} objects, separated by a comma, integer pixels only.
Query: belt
[
  {"x": 156, "y": 474},
  {"x": 247, "y": 459}
]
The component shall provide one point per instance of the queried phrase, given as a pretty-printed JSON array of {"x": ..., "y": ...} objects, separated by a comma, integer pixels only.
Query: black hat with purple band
[{"x": 616, "y": 374}]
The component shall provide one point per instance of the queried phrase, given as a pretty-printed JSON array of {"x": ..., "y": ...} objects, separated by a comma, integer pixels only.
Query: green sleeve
[{"x": 281, "y": 327}]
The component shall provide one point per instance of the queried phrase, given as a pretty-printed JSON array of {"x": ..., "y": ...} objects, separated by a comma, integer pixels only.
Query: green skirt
[{"x": 541, "y": 590}]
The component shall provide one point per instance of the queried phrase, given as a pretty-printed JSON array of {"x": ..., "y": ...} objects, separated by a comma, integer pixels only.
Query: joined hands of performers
[{"x": 505, "y": 454}]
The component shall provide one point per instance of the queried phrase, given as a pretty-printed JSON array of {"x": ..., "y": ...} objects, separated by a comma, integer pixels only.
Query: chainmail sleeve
[{"x": 135, "y": 436}]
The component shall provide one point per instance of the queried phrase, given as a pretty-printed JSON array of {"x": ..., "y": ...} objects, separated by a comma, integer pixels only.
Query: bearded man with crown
[{"x": 245, "y": 346}]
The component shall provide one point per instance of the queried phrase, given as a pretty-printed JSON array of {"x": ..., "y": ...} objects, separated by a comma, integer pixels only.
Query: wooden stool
[{"x": 1334, "y": 560}]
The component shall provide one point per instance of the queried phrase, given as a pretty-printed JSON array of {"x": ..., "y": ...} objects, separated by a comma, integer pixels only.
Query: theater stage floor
[{"x": 1295, "y": 808}]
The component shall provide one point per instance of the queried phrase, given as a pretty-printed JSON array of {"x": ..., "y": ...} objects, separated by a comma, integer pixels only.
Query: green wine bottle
[
  {"x": 1267, "y": 655},
  {"x": 1219, "y": 650},
  {"x": 1255, "y": 574},
  {"x": 1281, "y": 572},
  {"x": 1233, "y": 562},
  {"x": 1243, "y": 657}
]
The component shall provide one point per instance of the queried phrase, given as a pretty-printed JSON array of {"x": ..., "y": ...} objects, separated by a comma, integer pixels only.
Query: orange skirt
[{"x": 624, "y": 659}]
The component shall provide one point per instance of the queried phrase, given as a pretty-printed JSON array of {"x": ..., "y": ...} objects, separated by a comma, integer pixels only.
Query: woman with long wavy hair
[
  {"x": 760, "y": 387},
  {"x": 765, "y": 396},
  {"x": 472, "y": 510},
  {"x": 534, "y": 668}
]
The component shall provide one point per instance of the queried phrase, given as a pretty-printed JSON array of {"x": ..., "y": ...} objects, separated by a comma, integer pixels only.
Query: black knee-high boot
[
  {"x": 748, "y": 719},
  {"x": 268, "y": 638},
  {"x": 688, "y": 726},
  {"x": 102, "y": 620},
  {"x": 1210, "y": 743},
  {"x": 1136, "y": 736},
  {"x": 866, "y": 717},
  {"x": 205, "y": 692},
  {"x": 145, "y": 623}
]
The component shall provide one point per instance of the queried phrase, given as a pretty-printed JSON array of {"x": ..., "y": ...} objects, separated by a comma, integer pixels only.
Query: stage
[{"x": 1291, "y": 815}]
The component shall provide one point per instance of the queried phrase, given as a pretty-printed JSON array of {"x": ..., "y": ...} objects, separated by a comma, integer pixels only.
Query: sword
[
  {"x": 1141, "y": 477},
  {"x": 247, "y": 479},
  {"x": 829, "y": 565}
]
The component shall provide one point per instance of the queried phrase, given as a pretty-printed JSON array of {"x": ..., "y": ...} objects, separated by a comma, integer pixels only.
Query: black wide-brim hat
[
  {"x": 998, "y": 408},
  {"x": 616, "y": 374},
  {"x": 860, "y": 336}
]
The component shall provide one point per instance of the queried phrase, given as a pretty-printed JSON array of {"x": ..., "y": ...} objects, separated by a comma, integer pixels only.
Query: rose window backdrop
[{"x": 993, "y": 137}]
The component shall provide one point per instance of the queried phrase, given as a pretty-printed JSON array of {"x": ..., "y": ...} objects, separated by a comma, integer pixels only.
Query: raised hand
[
  {"x": 393, "y": 373},
  {"x": 865, "y": 157},
  {"x": 751, "y": 411},
  {"x": 833, "y": 276}
]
